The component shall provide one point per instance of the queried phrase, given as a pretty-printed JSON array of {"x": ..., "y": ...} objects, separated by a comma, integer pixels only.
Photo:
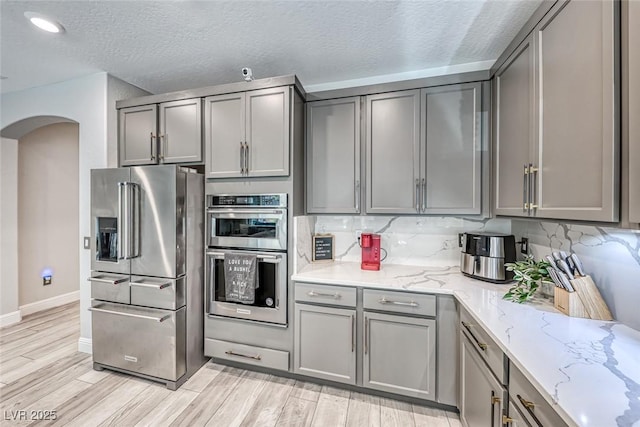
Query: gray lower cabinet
[
  {"x": 247, "y": 134},
  {"x": 482, "y": 396},
  {"x": 557, "y": 152},
  {"x": 451, "y": 174},
  {"x": 333, "y": 156},
  {"x": 170, "y": 132},
  {"x": 137, "y": 135},
  {"x": 324, "y": 343},
  {"x": 393, "y": 152},
  {"x": 400, "y": 355}
]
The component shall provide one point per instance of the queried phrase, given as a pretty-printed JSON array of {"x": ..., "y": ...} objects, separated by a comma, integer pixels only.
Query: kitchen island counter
[{"x": 588, "y": 370}]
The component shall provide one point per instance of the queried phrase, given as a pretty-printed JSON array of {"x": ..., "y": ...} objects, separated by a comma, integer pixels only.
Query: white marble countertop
[{"x": 588, "y": 370}]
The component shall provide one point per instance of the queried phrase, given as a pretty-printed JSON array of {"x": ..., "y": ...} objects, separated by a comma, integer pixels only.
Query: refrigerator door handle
[
  {"x": 120, "y": 223},
  {"x": 134, "y": 220}
]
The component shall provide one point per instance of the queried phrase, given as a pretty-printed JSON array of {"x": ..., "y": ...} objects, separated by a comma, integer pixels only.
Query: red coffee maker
[{"x": 370, "y": 244}]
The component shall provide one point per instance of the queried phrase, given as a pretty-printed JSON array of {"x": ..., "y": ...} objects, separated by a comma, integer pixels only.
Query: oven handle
[
  {"x": 245, "y": 211},
  {"x": 264, "y": 257}
]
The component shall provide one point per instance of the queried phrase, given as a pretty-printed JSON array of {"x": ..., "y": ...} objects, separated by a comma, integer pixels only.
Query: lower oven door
[
  {"x": 270, "y": 304},
  {"x": 144, "y": 340}
]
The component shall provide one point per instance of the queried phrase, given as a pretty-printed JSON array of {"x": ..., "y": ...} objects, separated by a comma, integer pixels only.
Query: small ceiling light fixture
[{"x": 44, "y": 22}]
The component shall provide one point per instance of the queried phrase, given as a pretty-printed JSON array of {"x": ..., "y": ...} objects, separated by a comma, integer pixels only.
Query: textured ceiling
[{"x": 163, "y": 46}]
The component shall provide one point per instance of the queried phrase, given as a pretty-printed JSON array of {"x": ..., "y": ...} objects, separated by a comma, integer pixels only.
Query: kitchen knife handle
[
  {"x": 525, "y": 189},
  {"x": 578, "y": 264}
]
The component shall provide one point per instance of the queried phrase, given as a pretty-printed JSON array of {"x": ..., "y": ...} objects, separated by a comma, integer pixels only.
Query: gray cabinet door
[
  {"x": 514, "y": 125},
  {"x": 400, "y": 355},
  {"x": 180, "y": 134},
  {"x": 333, "y": 156},
  {"x": 267, "y": 131},
  {"x": 324, "y": 344},
  {"x": 633, "y": 13},
  {"x": 577, "y": 145},
  {"x": 224, "y": 135},
  {"x": 393, "y": 152},
  {"x": 137, "y": 136},
  {"x": 481, "y": 395},
  {"x": 451, "y": 171}
]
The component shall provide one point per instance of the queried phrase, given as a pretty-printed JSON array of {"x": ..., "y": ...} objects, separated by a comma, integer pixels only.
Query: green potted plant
[{"x": 528, "y": 275}]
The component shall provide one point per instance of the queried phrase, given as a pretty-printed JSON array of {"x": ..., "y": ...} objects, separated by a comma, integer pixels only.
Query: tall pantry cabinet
[{"x": 555, "y": 112}]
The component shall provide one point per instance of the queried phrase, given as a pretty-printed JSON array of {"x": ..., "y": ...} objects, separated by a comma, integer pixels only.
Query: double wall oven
[{"x": 248, "y": 225}]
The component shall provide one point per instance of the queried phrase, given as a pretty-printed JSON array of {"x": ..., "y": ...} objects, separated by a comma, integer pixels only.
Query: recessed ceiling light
[{"x": 44, "y": 22}]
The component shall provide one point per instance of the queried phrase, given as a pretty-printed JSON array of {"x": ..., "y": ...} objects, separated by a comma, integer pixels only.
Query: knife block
[{"x": 585, "y": 302}]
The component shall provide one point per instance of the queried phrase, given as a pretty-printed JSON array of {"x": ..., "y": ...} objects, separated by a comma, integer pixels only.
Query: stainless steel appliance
[
  {"x": 247, "y": 221},
  {"x": 485, "y": 254},
  {"x": 254, "y": 225},
  {"x": 146, "y": 278}
]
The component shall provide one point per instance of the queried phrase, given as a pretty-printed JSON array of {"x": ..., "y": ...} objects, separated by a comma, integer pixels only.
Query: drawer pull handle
[
  {"x": 529, "y": 406},
  {"x": 157, "y": 286},
  {"x": 109, "y": 281},
  {"x": 233, "y": 353},
  {"x": 506, "y": 420},
  {"x": 467, "y": 326},
  {"x": 494, "y": 400},
  {"x": 137, "y": 316},
  {"x": 408, "y": 304},
  {"x": 323, "y": 294}
]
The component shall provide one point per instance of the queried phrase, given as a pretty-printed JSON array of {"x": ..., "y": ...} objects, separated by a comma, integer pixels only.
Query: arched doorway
[{"x": 38, "y": 189}]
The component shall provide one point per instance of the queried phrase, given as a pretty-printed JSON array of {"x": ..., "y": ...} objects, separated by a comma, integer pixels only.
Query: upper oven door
[{"x": 252, "y": 228}]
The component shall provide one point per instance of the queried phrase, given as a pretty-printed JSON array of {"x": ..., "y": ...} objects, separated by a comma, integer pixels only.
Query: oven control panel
[{"x": 253, "y": 200}]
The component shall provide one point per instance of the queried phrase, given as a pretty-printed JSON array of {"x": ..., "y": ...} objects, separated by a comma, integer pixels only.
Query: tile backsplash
[
  {"x": 611, "y": 256},
  {"x": 407, "y": 240}
]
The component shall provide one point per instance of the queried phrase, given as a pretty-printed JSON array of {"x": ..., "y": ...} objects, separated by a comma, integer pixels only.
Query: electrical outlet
[
  {"x": 46, "y": 280},
  {"x": 87, "y": 242},
  {"x": 524, "y": 246},
  {"x": 460, "y": 239}
]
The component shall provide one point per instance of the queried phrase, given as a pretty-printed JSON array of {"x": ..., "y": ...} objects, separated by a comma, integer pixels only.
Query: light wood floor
[{"x": 41, "y": 370}]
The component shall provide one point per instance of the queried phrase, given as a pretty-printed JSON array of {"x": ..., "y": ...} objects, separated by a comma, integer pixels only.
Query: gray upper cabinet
[
  {"x": 224, "y": 135},
  {"x": 137, "y": 135},
  {"x": 577, "y": 148},
  {"x": 180, "y": 135},
  {"x": 267, "y": 132},
  {"x": 400, "y": 355},
  {"x": 247, "y": 134},
  {"x": 333, "y": 156},
  {"x": 451, "y": 165},
  {"x": 557, "y": 151},
  {"x": 393, "y": 152},
  {"x": 633, "y": 112},
  {"x": 176, "y": 137},
  {"x": 324, "y": 343},
  {"x": 513, "y": 130}
]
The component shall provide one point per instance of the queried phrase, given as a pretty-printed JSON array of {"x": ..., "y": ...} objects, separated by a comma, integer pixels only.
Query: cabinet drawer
[
  {"x": 139, "y": 339},
  {"x": 399, "y": 302},
  {"x": 326, "y": 294},
  {"x": 530, "y": 402},
  {"x": 156, "y": 292},
  {"x": 110, "y": 287},
  {"x": 252, "y": 355},
  {"x": 487, "y": 348}
]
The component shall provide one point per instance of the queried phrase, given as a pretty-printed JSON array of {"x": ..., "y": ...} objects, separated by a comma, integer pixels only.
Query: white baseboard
[
  {"x": 85, "y": 345},
  {"x": 45, "y": 304},
  {"x": 10, "y": 318}
]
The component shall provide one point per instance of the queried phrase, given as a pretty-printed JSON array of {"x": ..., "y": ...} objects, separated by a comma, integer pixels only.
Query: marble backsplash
[
  {"x": 431, "y": 241},
  {"x": 611, "y": 256}
]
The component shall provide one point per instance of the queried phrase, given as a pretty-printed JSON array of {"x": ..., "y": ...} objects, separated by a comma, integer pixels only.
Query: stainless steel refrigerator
[{"x": 146, "y": 271}]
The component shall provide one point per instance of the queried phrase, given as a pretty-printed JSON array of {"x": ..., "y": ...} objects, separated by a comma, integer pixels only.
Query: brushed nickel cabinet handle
[
  {"x": 151, "y": 139},
  {"x": 525, "y": 189},
  {"x": 366, "y": 334},
  {"x": 533, "y": 177},
  {"x": 353, "y": 333},
  {"x": 246, "y": 158},
  {"x": 424, "y": 194},
  {"x": 241, "y": 158},
  {"x": 408, "y": 304},
  {"x": 417, "y": 195},
  {"x": 323, "y": 294},
  {"x": 233, "y": 353},
  {"x": 357, "y": 195}
]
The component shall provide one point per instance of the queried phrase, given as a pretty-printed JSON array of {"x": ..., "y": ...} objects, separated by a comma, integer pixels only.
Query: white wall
[
  {"x": 9, "y": 230},
  {"x": 48, "y": 223}
]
